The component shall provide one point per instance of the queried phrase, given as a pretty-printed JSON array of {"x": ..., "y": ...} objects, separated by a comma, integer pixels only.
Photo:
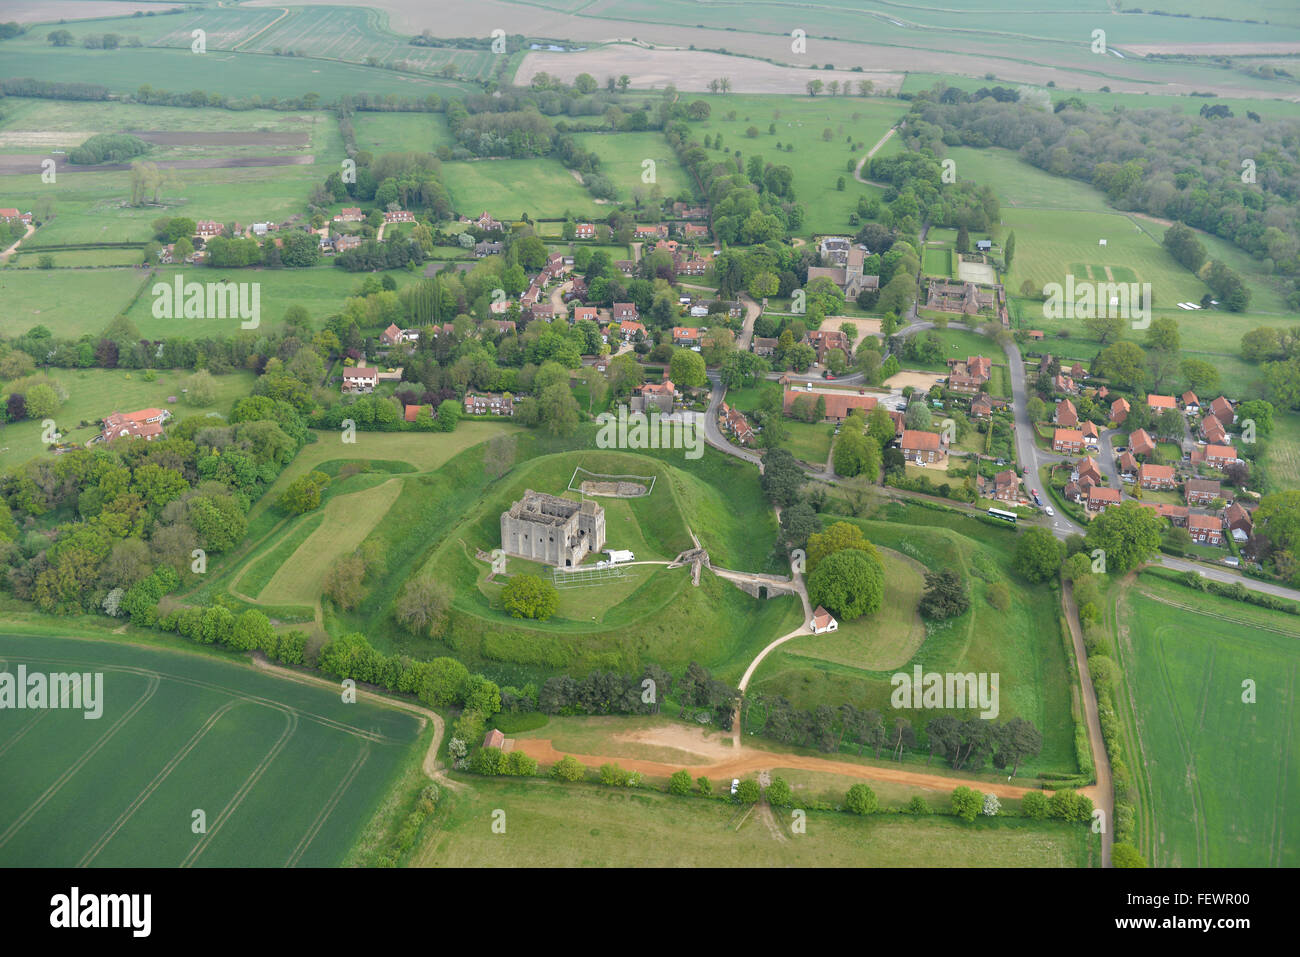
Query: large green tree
[
  {"x": 848, "y": 583},
  {"x": 1128, "y": 533}
]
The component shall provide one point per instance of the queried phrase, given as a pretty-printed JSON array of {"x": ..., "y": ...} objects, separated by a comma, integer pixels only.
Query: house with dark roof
[
  {"x": 1239, "y": 521},
  {"x": 1198, "y": 491}
]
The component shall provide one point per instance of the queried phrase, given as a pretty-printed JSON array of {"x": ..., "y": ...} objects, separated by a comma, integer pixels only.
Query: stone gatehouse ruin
[{"x": 553, "y": 530}]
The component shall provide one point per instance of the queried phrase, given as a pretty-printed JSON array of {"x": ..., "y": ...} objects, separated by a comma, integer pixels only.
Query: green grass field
[
  {"x": 1283, "y": 461},
  {"x": 285, "y": 774},
  {"x": 509, "y": 188},
  {"x": 817, "y": 163},
  {"x": 553, "y": 825},
  {"x": 622, "y": 156},
  {"x": 401, "y": 132},
  {"x": 1022, "y": 644},
  {"x": 887, "y": 639},
  {"x": 1215, "y": 772},
  {"x": 95, "y": 393}
]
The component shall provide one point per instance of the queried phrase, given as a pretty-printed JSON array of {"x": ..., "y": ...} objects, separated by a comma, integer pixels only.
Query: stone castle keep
[{"x": 550, "y": 529}]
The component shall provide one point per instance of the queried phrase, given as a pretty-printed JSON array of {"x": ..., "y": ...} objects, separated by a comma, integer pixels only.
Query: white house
[{"x": 822, "y": 621}]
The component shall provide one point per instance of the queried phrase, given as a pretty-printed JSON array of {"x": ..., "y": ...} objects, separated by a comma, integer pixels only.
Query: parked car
[
  {"x": 1047, "y": 510},
  {"x": 828, "y": 374}
]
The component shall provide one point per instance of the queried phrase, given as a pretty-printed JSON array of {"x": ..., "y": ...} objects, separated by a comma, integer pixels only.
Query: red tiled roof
[{"x": 923, "y": 441}]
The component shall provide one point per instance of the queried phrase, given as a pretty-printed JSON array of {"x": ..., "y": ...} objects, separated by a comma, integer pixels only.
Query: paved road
[
  {"x": 713, "y": 435},
  {"x": 752, "y": 312}
]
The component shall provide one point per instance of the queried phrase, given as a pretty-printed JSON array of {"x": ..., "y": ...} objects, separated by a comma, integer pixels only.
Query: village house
[
  {"x": 1177, "y": 514},
  {"x": 399, "y": 216},
  {"x": 1191, "y": 404},
  {"x": 9, "y": 215},
  {"x": 1091, "y": 435},
  {"x": 207, "y": 228},
  {"x": 1239, "y": 522},
  {"x": 839, "y": 402},
  {"x": 823, "y": 621},
  {"x": 1202, "y": 491},
  {"x": 1213, "y": 431},
  {"x": 489, "y": 403},
  {"x": 393, "y": 336},
  {"x": 695, "y": 231},
  {"x": 764, "y": 346},
  {"x": 655, "y": 231},
  {"x": 1036, "y": 335},
  {"x": 1086, "y": 470},
  {"x": 486, "y": 248},
  {"x": 587, "y": 313},
  {"x": 1067, "y": 441},
  {"x": 848, "y": 276},
  {"x": 1119, "y": 410},
  {"x": 629, "y": 329},
  {"x": 686, "y": 337},
  {"x": 734, "y": 421},
  {"x": 1100, "y": 498},
  {"x": 685, "y": 211},
  {"x": 1156, "y": 477},
  {"x": 979, "y": 368},
  {"x": 1066, "y": 415},
  {"x": 543, "y": 310},
  {"x": 963, "y": 384},
  {"x": 1077, "y": 371},
  {"x": 349, "y": 214},
  {"x": 923, "y": 448},
  {"x": 343, "y": 243},
  {"x": 624, "y": 310},
  {"x": 501, "y": 325},
  {"x": 1063, "y": 383},
  {"x": 1141, "y": 443},
  {"x": 824, "y": 341},
  {"x": 1221, "y": 409},
  {"x": 585, "y": 231},
  {"x": 1127, "y": 465},
  {"x": 1158, "y": 403},
  {"x": 1004, "y": 487},
  {"x": 145, "y": 424},
  {"x": 1205, "y": 529},
  {"x": 1220, "y": 456},
  {"x": 488, "y": 224},
  {"x": 360, "y": 379},
  {"x": 981, "y": 407},
  {"x": 657, "y": 394},
  {"x": 966, "y": 298},
  {"x": 625, "y": 266}
]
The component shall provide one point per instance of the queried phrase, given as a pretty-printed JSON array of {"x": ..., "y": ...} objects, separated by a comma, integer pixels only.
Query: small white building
[
  {"x": 618, "y": 556},
  {"x": 823, "y": 621}
]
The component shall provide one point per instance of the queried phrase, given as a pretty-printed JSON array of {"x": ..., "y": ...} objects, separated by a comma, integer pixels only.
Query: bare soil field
[
  {"x": 917, "y": 380},
  {"x": 865, "y": 327},
  {"x": 222, "y": 138},
  {"x": 689, "y": 70},
  {"x": 1209, "y": 49},
  {"x": 41, "y": 11},
  {"x": 12, "y": 164}
]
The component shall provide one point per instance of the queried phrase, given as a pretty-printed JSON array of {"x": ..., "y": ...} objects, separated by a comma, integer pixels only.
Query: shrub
[
  {"x": 1126, "y": 855},
  {"x": 919, "y": 806},
  {"x": 680, "y": 783},
  {"x": 779, "y": 793},
  {"x": 966, "y": 803},
  {"x": 530, "y": 596},
  {"x": 861, "y": 800},
  {"x": 1034, "y": 804},
  {"x": 568, "y": 768}
]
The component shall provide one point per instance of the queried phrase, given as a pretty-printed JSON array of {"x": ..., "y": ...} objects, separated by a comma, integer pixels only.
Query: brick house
[
  {"x": 764, "y": 346},
  {"x": 628, "y": 328},
  {"x": 981, "y": 407},
  {"x": 656, "y": 231},
  {"x": 588, "y": 313},
  {"x": 838, "y": 403},
  {"x": 1221, "y": 409},
  {"x": 399, "y": 216},
  {"x": 826, "y": 340},
  {"x": 1086, "y": 469},
  {"x": 489, "y": 403},
  {"x": 1239, "y": 522},
  {"x": 661, "y": 395},
  {"x": 1202, "y": 491},
  {"x": 1063, "y": 383},
  {"x": 624, "y": 310},
  {"x": 1158, "y": 403},
  {"x": 1091, "y": 435},
  {"x": 1101, "y": 498},
  {"x": 1119, "y": 410},
  {"x": 734, "y": 421},
  {"x": 1006, "y": 487},
  {"x": 207, "y": 228},
  {"x": 145, "y": 424},
  {"x": 1177, "y": 514},
  {"x": 360, "y": 379},
  {"x": 1140, "y": 443},
  {"x": 1213, "y": 431},
  {"x": 391, "y": 336},
  {"x": 1220, "y": 456},
  {"x": 1156, "y": 477},
  {"x": 1191, "y": 404},
  {"x": 585, "y": 231},
  {"x": 1066, "y": 415},
  {"x": 1067, "y": 441},
  {"x": 1127, "y": 464},
  {"x": 921, "y": 447},
  {"x": 1205, "y": 529},
  {"x": 686, "y": 337},
  {"x": 349, "y": 214}
]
